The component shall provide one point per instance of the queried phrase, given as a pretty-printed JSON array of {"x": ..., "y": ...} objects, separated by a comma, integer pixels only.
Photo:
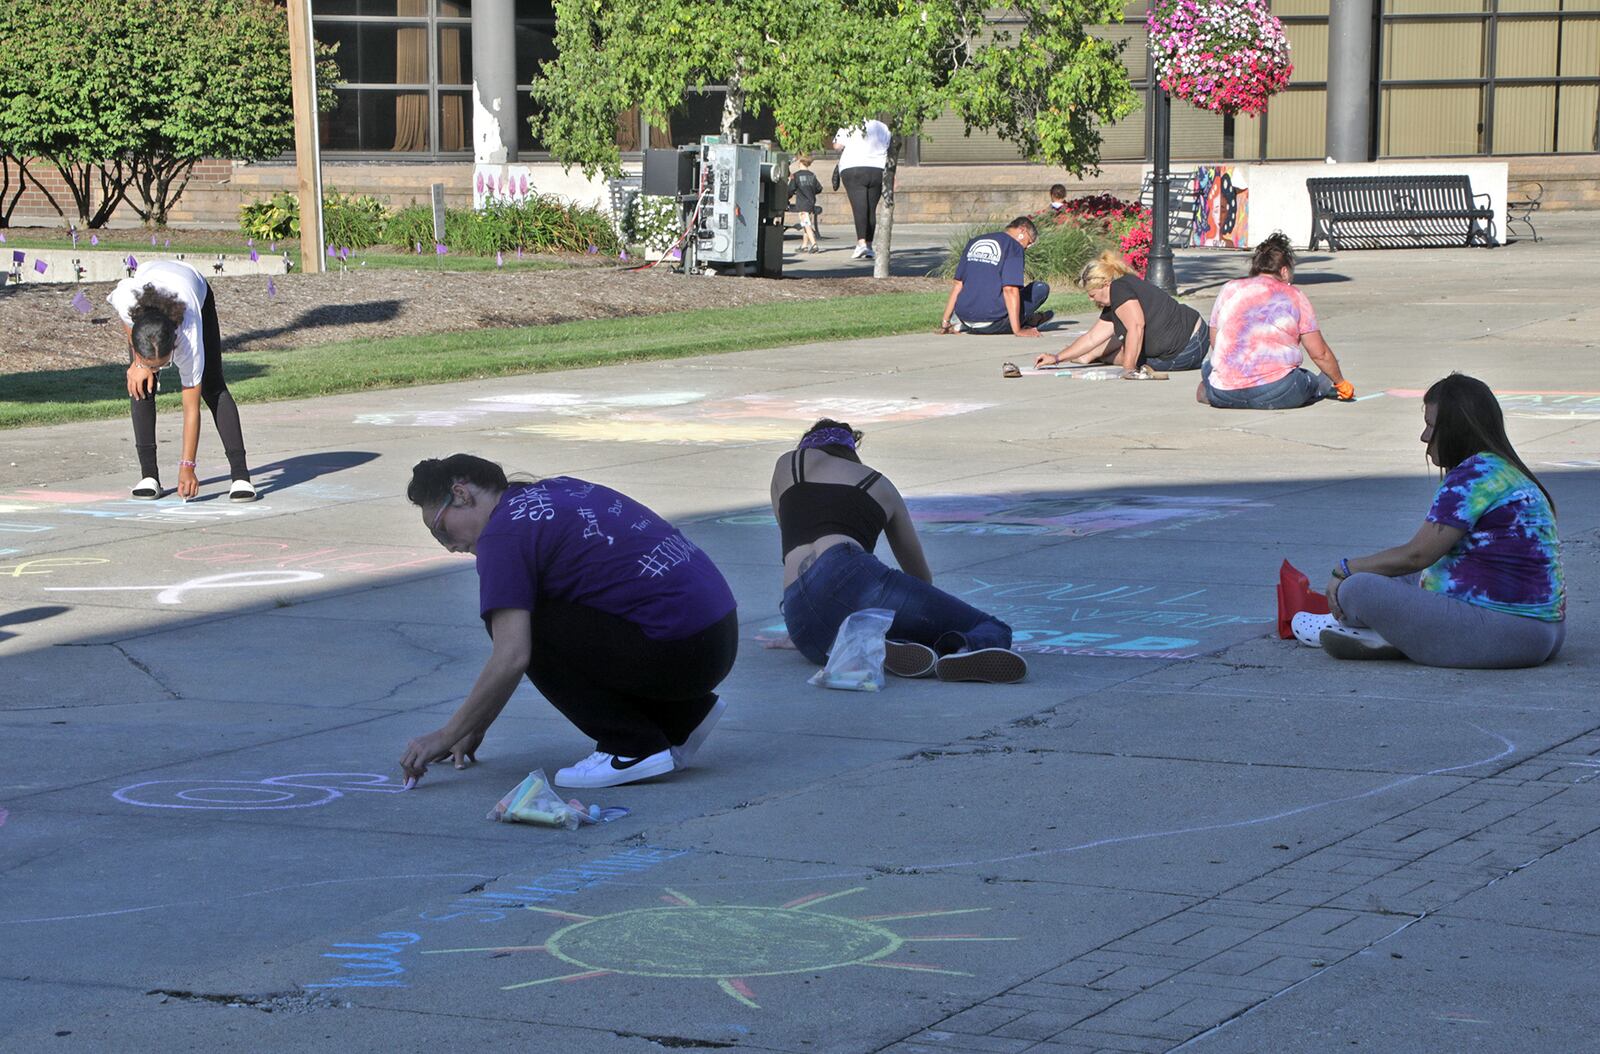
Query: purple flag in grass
[
  {"x": 17, "y": 256},
  {"x": 272, "y": 247},
  {"x": 439, "y": 249},
  {"x": 40, "y": 266},
  {"x": 94, "y": 239},
  {"x": 133, "y": 261},
  {"x": 344, "y": 254},
  {"x": 80, "y": 303},
  {"x": 152, "y": 241},
  {"x": 2, "y": 239},
  {"x": 166, "y": 243},
  {"x": 249, "y": 243},
  {"x": 255, "y": 257},
  {"x": 593, "y": 248},
  {"x": 499, "y": 259},
  {"x": 272, "y": 290},
  {"x": 74, "y": 232},
  {"x": 331, "y": 253},
  {"x": 419, "y": 248},
  {"x": 623, "y": 255}
]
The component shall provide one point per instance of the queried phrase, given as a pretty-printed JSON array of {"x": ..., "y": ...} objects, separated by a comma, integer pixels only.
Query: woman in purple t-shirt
[
  {"x": 1480, "y": 585},
  {"x": 617, "y": 618}
]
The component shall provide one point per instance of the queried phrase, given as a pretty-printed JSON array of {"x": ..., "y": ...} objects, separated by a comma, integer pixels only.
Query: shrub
[
  {"x": 536, "y": 224},
  {"x": 1059, "y": 254},
  {"x": 348, "y": 221},
  {"x": 652, "y": 222}
]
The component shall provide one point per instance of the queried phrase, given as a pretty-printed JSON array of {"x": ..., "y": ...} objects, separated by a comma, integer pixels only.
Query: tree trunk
[
  {"x": 885, "y": 234},
  {"x": 152, "y": 178},
  {"x": 733, "y": 105},
  {"x": 79, "y": 176}
]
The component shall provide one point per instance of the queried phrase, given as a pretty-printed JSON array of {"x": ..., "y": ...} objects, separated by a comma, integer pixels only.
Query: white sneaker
[
  {"x": 147, "y": 489},
  {"x": 242, "y": 490},
  {"x": 1346, "y": 642},
  {"x": 1308, "y": 627},
  {"x": 608, "y": 770},
  {"x": 861, "y": 251},
  {"x": 684, "y": 753}
]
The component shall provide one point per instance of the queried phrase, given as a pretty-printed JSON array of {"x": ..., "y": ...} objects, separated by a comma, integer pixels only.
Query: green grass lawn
[{"x": 54, "y": 396}]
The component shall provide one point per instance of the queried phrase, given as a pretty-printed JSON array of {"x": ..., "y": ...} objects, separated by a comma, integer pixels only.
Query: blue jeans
[
  {"x": 1034, "y": 294},
  {"x": 1189, "y": 357},
  {"x": 844, "y": 580},
  {"x": 1297, "y": 388}
]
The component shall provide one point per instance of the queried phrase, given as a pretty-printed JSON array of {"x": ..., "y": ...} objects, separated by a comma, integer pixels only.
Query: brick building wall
[{"x": 34, "y": 207}]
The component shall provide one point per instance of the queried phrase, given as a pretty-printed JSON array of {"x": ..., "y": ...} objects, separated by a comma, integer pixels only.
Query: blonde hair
[{"x": 1103, "y": 270}]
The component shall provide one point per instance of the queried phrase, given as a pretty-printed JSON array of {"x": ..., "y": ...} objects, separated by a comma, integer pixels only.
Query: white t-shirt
[
  {"x": 184, "y": 282},
  {"x": 863, "y": 147}
]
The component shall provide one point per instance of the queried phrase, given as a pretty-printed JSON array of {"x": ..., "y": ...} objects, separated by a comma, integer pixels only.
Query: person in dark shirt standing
[
  {"x": 804, "y": 186},
  {"x": 992, "y": 294}
]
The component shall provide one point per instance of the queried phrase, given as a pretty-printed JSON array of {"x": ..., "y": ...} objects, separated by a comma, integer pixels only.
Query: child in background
[
  {"x": 1058, "y": 198},
  {"x": 804, "y": 186}
]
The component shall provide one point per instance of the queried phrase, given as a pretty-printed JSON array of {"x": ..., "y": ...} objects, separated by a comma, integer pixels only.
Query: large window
[
  {"x": 1472, "y": 77},
  {"x": 406, "y": 74}
]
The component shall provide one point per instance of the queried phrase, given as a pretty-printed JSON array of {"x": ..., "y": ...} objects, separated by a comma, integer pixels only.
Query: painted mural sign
[{"x": 1221, "y": 208}]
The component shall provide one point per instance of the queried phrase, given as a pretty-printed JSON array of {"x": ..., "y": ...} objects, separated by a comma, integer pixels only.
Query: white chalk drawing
[
  {"x": 24, "y": 528},
  {"x": 173, "y": 594},
  {"x": 527, "y": 404},
  {"x": 1538, "y": 405},
  {"x": 300, "y": 790}
]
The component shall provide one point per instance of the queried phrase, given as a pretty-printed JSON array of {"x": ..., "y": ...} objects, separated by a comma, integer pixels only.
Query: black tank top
[{"x": 809, "y": 510}]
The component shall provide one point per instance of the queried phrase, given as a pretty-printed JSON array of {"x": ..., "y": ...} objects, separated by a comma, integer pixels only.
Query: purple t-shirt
[{"x": 569, "y": 540}]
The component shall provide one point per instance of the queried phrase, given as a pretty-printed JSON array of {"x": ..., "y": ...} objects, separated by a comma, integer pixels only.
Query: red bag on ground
[{"x": 1294, "y": 596}]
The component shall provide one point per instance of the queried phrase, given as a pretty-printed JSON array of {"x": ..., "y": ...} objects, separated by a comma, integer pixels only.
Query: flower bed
[{"x": 1127, "y": 222}]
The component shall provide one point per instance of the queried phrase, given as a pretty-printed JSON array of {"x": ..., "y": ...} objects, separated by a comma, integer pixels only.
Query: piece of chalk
[{"x": 411, "y": 781}]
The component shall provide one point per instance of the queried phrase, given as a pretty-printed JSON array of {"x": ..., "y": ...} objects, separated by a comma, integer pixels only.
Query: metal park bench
[
  {"x": 1398, "y": 211},
  {"x": 1521, "y": 208}
]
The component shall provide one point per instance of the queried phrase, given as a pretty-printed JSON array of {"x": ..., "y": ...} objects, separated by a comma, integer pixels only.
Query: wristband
[
  {"x": 182, "y": 463},
  {"x": 1343, "y": 570}
]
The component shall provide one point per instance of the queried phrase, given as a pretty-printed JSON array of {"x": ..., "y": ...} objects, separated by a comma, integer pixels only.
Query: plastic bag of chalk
[
  {"x": 855, "y": 663},
  {"x": 533, "y": 801}
]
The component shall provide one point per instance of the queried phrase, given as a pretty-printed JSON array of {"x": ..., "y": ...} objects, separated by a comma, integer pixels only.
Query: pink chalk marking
[
  {"x": 64, "y": 497},
  {"x": 742, "y": 988}
]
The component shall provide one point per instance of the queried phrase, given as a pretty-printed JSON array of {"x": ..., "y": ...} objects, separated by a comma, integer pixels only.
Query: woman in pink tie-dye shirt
[{"x": 1259, "y": 327}]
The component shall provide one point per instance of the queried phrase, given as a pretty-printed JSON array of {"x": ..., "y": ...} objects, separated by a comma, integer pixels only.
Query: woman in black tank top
[{"x": 831, "y": 510}]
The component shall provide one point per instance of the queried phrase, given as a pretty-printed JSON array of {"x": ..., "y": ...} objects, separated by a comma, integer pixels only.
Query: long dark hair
[
  {"x": 153, "y": 323},
  {"x": 1468, "y": 420},
  {"x": 432, "y": 480}
]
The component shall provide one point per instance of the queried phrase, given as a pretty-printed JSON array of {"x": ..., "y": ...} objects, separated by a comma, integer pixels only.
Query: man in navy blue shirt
[{"x": 991, "y": 294}]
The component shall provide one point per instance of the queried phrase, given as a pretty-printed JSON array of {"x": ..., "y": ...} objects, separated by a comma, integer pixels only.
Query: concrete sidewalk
[{"x": 1179, "y": 830}]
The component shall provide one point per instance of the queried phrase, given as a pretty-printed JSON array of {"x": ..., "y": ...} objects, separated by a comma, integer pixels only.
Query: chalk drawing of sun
[{"x": 727, "y": 943}]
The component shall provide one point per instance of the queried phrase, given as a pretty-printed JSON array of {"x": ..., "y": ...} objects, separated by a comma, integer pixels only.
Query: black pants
[
  {"x": 864, "y": 187},
  {"x": 213, "y": 389},
  {"x": 632, "y": 694}
]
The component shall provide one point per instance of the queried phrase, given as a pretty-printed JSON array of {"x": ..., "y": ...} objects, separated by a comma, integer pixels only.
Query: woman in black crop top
[{"x": 831, "y": 509}]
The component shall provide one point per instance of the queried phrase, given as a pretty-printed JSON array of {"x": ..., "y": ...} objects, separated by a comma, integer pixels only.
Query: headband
[{"x": 828, "y": 437}]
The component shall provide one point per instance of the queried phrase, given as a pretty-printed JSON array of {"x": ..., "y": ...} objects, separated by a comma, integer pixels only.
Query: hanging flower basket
[{"x": 1229, "y": 56}]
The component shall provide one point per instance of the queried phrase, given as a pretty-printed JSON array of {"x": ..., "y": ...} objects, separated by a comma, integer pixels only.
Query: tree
[
  {"x": 129, "y": 94},
  {"x": 611, "y": 57},
  {"x": 1046, "y": 85}
]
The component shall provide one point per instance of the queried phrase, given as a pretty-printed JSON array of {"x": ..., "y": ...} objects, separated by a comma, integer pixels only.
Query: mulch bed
[{"x": 40, "y": 330}]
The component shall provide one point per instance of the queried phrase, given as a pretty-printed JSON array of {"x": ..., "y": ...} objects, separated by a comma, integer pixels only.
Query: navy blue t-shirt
[{"x": 988, "y": 264}]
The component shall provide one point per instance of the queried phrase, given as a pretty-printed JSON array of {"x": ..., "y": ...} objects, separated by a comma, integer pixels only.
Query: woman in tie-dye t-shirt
[
  {"x": 1262, "y": 328},
  {"x": 1480, "y": 584}
]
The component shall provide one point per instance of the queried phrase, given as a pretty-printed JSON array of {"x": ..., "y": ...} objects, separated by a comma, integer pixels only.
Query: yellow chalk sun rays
[{"x": 726, "y": 943}]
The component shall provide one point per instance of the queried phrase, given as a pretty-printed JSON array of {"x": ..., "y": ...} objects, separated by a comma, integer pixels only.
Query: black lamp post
[{"x": 1159, "y": 272}]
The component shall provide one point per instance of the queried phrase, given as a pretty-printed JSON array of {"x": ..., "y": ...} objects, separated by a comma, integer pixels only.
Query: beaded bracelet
[{"x": 183, "y": 463}]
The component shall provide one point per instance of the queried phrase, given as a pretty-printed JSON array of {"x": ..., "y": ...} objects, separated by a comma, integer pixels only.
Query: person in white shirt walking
[
  {"x": 864, "y": 151},
  {"x": 171, "y": 320}
]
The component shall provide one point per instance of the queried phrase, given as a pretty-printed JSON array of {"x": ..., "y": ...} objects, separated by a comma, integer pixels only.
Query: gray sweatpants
[{"x": 1437, "y": 630}]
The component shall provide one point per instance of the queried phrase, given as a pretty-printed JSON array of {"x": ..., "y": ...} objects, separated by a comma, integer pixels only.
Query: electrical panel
[{"x": 729, "y": 223}]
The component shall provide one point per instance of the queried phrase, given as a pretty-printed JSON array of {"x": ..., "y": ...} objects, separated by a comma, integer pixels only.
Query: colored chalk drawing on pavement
[
  {"x": 1532, "y": 404},
  {"x": 351, "y": 559},
  {"x": 682, "y": 417},
  {"x": 48, "y": 565},
  {"x": 730, "y": 944},
  {"x": 301, "y": 790},
  {"x": 1077, "y": 516},
  {"x": 173, "y": 594}
]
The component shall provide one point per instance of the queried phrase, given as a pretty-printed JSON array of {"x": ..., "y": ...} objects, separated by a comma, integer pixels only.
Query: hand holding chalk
[{"x": 411, "y": 782}]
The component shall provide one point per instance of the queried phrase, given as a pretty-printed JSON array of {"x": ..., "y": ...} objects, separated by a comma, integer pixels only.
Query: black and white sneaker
[
  {"x": 684, "y": 753},
  {"x": 147, "y": 489},
  {"x": 608, "y": 770},
  {"x": 242, "y": 490},
  {"x": 903, "y": 658},
  {"x": 990, "y": 665}
]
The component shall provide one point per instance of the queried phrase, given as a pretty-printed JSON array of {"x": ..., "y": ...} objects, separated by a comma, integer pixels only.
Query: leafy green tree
[
  {"x": 1040, "y": 80},
  {"x": 124, "y": 95},
  {"x": 611, "y": 57}
]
